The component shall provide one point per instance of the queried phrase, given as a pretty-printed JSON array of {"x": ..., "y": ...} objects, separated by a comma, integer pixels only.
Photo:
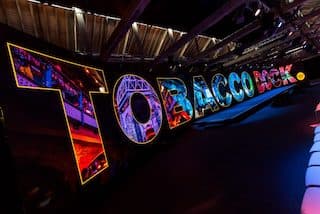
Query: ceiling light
[
  {"x": 135, "y": 25},
  {"x": 258, "y": 11},
  {"x": 102, "y": 89},
  {"x": 77, "y": 10},
  {"x": 34, "y": 1}
]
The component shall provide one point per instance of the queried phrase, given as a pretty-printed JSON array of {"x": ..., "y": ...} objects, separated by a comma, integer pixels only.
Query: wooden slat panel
[
  {"x": 149, "y": 41},
  {"x": 52, "y": 25},
  {"x": 96, "y": 34},
  {"x": 44, "y": 22},
  {"x": 56, "y": 26},
  {"x": 101, "y": 34},
  {"x": 3, "y": 15},
  {"x": 157, "y": 42},
  {"x": 136, "y": 46},
  {"x": 12, "y": 14},
  {"x": 110, "y": 26},
  {"x": 89, "y": 30},
  {"x": 61, "y": 21}
]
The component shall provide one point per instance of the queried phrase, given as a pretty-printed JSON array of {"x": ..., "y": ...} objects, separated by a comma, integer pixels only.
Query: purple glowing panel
[
  {"x": 76, "y": 114},
  {"x": 310, "y": 203},
  {"x": 75, "y": 84},
  {"x": 140, "y": 132}
]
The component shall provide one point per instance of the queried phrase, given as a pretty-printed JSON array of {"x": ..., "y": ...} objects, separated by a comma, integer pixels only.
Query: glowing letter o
[
  {"x": 245, "y": 80},
  {"x": 125, "y": 87}
]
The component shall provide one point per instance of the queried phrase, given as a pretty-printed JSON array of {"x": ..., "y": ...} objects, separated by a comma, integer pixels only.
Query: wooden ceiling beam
[
  {"x": 122, "y": 28},
  {"x": 125, "y": 44},
  {"x": 246, "y": 30},
  {"x": 208, "y": 22},
  {"x": 206, "y": 45}
]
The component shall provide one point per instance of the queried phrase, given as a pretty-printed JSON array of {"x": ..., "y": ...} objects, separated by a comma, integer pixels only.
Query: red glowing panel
[{"x": 75, "y": 84}]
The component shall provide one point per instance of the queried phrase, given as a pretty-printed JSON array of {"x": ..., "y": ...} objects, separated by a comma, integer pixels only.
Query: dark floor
[{"x": 255, "y": 166}]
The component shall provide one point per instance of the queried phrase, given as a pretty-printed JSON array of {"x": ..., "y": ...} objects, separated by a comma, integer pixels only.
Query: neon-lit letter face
[
  {"x": 247, "y": 84},
  {"x": 286, "y": 76},
  {"x": 174, "y": 97},
  {"x": 139, "y": 132},
  {"x": 219, "y": 88},
  {"x": 203, "y": 98},
  {"x": 234, "y": 84},
  {"x": 263, "y": 81},
  {"x": 75, "y": 84},
  {"x": 275, "y": 77}
]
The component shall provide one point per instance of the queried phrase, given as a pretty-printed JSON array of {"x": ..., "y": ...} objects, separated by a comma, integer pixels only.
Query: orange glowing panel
[{"x": 75, "y": 85}]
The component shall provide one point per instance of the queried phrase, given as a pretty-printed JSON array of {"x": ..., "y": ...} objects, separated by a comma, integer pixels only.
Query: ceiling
[{"x": 175, "y": 31}]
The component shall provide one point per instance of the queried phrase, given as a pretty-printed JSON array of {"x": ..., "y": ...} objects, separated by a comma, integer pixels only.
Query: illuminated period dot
[{"x": 301, "y": 76}]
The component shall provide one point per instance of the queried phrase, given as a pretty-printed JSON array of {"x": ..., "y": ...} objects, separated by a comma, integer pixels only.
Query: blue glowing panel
[
  {"x": 235, "y": 88},
  {"x": 313, "y": 176},
  {"x": 317, "y": 130},
  {"x": 174, "y": 97},
  {"x": 203, "y": 98},
  {"x": 315, "y": 147},
  {"x": 247, "y": 84},
  {"x": 242, "y": 108},
  {"x": 315, "y": 159},
  {"x": 316, "y": 138},
  {"x": 138, "y": 132},
  {"x": 220, "y": 90}
]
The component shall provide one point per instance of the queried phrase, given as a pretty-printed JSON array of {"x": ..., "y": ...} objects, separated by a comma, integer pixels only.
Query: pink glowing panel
[
  {"x": 315, "y": 147},
  {"x": 315, "y": 159},
  {"x": 313, "y": 176},
  {"x": 311, "y": 199}
]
